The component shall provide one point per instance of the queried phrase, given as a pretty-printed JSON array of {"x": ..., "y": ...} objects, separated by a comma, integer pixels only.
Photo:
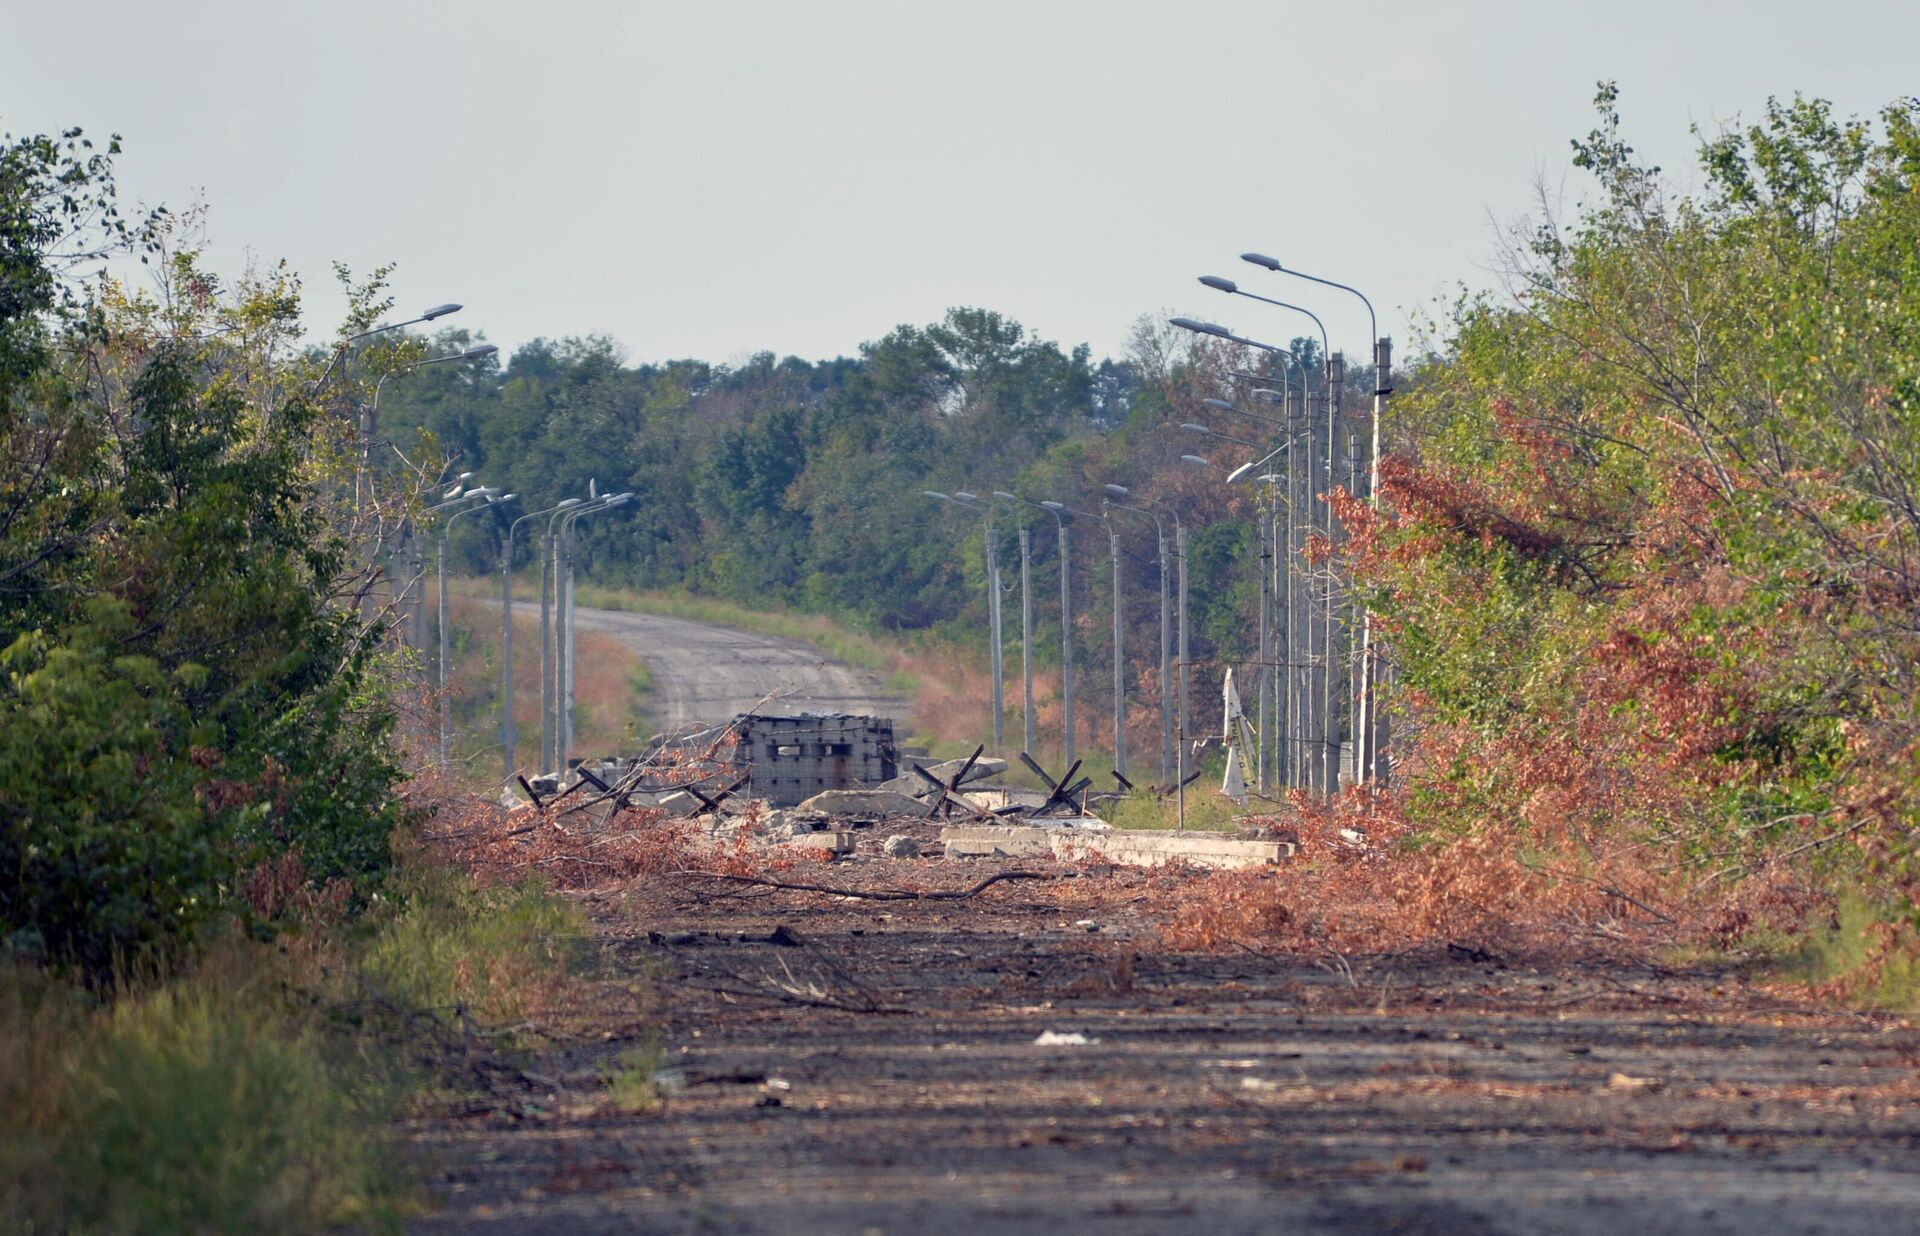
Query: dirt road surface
[
  {"x": 881, "y": 1067},
  {"x": 706, "y": 674}
]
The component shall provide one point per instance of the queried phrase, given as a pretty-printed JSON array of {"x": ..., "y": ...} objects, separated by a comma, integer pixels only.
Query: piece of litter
[
  {"x": 1073, "y": 1038},
  {"x": 778, "y": 1083},
  {"x": 1087, "y": 924},
  {"x": 1623, "y": 1081},
  {"x": 1258, "y": 1083}
]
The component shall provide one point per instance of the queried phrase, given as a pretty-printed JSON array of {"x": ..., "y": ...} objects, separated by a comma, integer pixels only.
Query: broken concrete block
[
  {"x": 864, "y": 802},
  {"x": 990, "y": 840},
  {"x": 1154, "y": 848},
  {"x": 836, "y": 841},
  {"x": 900, "y": 846}
]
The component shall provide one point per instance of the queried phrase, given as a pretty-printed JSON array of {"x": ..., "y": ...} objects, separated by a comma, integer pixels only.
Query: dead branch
[{"x": 879, "y": 894}]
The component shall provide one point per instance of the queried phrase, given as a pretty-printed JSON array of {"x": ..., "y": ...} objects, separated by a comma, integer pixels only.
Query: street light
[
  {"x": 962, "y": 498},
  {"x": 1026, "y": 624},
  {"x": 340, "y": 349},
  {"x": 564, "y": 660},
  {"x": 1369, "y": 736},
  {"x": 1195, "y": 427},
  {"x": 509, "y": 733},
  {"x": 1061, "y": 519},
  {"x": 1166, "y": 630},
  {"x": 446, "y": 704},
  {"x": 370, "y": 418},
  {"x": 1333, "y": 370},
  {"x": 546, "y": 631}
]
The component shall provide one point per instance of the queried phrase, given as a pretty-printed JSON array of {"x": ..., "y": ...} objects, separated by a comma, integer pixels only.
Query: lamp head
[
  {"x": 478, "y": 351},
  {"x": 1190, "y": 427},
  {"x": 1215, "y": 281},
  {"x": 1200, "y": 461},
  {"x": 1240, "y": 471},
  {"x": 937, "y": 496},
  {"x": 439, "y": 311},
  {"x": 1218, "y": 404},
  {"x": 1053, "y": 506},
  {"x": 569, "y": 504},
  {"x": 1003, "y": 494},
  {"x": 964, "y": 496},
  {"x": 1119, "y": 491}
]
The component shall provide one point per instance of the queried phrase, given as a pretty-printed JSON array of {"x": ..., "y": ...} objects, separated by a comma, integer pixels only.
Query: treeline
[
  {"x": 1650, "y": 568},
  {"x": 803, "y": 484}
]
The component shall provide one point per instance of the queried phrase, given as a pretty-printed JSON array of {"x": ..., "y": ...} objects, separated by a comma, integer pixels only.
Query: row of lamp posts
[
  {"x": 1323, "y": 645},
  {"x": 1319, "y": 663}
]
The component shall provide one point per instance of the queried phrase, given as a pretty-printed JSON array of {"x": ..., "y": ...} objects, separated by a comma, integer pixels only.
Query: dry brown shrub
[{"x": 1363, "y": 881}]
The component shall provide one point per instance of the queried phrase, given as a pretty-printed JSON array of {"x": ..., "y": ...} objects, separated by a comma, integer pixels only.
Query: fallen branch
[{"x": 879, "y": 894}]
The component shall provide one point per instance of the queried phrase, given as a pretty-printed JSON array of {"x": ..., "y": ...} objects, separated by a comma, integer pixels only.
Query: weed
[{"x": 632, "y": 1078}]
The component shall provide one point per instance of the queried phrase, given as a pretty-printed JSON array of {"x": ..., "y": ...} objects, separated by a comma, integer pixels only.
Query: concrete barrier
[{"x": 1133, "y": 847}]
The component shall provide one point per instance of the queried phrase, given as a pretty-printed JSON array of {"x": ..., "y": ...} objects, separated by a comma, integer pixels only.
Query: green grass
[
  {"x": 208, "y": 1103},
  {"x": 256, "y": 1090},
  {"x": 1844, "y": 949},
  {"x": 632, "y": 1078}
]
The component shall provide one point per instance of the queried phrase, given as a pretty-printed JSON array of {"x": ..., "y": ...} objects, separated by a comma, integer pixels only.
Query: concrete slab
[
  {"x": 864, "y": 802},
  {"x": 1135, "y": 847},
  {"x": 989, "y": 840}
]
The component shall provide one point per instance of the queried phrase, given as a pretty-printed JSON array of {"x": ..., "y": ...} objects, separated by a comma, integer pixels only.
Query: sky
[{"x": 718, "y": 179}]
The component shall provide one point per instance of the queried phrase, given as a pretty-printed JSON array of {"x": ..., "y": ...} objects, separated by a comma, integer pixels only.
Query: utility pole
[{"x": 1330, "y": 643}]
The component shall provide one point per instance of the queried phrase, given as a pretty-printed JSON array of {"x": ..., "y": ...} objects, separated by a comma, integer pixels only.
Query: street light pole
[
  {"x": 1369, "y": 730},
  {"x": 1166, "y": 628},
  {"x": 564, "y": 659},
  {"x": 1060, "y": 520},
  {"x": 1026, "y": 631},
  {"x": 446, "y": 693},
  {"x": 961, "y": 498},
  {"x": 509, "y": 730}
]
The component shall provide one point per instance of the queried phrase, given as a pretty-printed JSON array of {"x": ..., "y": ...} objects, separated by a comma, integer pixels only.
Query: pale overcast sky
[{"x": 717, "y": 179}]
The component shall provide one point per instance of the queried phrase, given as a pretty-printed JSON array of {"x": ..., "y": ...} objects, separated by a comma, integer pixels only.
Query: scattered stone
[
  {"x": 1072, "y": 1038},
  {"x": 1623, "y": 1081},
  {"x": 900, "y": 846}
]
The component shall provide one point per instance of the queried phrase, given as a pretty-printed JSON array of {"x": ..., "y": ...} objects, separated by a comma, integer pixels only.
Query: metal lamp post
[
  {"x": 995, "y": 646},
  {"x": 370, "y": 418},
  {"x": 1369, "y": 729},
  {"x": 546, "y": 631},
  {"x": 1166, "y": 629},
  {"x": 1061, "y": 519},
  {"x": 509, "y": 731},
  {"x": 440, "y": 555},
  {"x": 563, "y": 599}
]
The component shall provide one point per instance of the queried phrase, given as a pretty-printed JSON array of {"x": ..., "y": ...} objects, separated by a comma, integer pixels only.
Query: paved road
[
  {"x": 706, "y": 674},
  {"x": 880, "y": 1067}
]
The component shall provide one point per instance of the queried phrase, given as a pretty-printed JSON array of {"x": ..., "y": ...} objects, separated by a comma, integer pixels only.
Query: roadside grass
[
  {"x": 632, "y": 1078},
  {"x": 1857, "y": 953},
  {"x": 609, "y": 703},
  {"x": 256, "y": 1090}
]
